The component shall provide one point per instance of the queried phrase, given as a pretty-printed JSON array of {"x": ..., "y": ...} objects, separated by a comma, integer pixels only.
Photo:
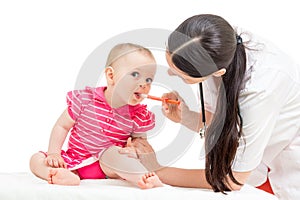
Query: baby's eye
[
  {"x": 149, "y": 80},
  {"x": 135, "y": 74}
]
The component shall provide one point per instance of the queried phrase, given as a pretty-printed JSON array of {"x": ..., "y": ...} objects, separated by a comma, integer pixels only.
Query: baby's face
[{"x": 133, "y": 75}]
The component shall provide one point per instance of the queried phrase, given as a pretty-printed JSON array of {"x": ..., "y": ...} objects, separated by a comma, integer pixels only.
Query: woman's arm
[
  {"x": 189, "y": 120},
  {"x": 176, "y": 176},
  {"x": 194, "y": 178}
]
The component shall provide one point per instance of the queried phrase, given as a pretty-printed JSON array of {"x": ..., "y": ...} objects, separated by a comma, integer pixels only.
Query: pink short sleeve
[
  {"x": 76, "y": 101},
  {"x": 144, "y": 120}
]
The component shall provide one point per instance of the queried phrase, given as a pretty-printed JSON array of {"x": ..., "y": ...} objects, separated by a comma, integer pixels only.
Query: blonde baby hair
[{"x": 123, "y": 49}]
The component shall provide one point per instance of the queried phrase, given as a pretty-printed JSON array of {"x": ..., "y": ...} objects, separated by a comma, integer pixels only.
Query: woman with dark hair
[{"x": 253, "y": 127}]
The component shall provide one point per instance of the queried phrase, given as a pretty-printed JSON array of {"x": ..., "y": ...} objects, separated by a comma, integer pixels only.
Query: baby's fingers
[
  {"x": 49, "y": 162},
  {"x": 55, "y": 163},
  {"x": 62, "y": 164}
]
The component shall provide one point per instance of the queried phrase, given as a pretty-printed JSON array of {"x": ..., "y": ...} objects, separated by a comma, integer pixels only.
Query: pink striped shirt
[{"x": 98, "y": 126}]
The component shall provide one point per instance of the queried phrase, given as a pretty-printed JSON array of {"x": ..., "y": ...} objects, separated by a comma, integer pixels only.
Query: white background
[{"x": 43, "y": 45}]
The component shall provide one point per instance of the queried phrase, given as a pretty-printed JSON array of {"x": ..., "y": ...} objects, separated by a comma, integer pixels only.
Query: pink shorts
[{"x": 92, "y": 171}]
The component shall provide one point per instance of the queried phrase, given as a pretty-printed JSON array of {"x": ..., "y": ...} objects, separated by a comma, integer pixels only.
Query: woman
[{"x": 255, "y": 123}]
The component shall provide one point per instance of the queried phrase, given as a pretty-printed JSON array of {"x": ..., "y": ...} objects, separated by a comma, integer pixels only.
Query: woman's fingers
[
  {"x": 171, "y": 95},
  {"x": 166, "y": 96},
  {"x": 140, "y": 143},
  {"x": 129, "y": 151},
  {"x": 146, "y": 155},
  {"x": 129, "y": 142},
  {"x": 142, "y": 150},
  {"x": 142, "y": 147},
  {"x": 172, "y": 111}
]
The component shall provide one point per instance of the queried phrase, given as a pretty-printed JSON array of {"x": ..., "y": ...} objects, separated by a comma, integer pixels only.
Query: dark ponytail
[
  {"x": 212, "y": 36},
  {"x": 221, "y": 150}
]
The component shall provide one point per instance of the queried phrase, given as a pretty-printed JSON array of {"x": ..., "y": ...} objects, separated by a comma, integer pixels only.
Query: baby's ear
[{"x": 109, "y": 74}]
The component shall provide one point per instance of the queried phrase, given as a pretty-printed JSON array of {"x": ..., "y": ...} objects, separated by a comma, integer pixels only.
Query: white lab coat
[{"x": 270, "y": 107}]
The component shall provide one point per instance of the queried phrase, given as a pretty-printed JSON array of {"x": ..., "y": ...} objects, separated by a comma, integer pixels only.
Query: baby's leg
[
  {"x": 116, "y": 165},
  {"x": 38, "y": 166},
  {"x": 58, "y": 176}
]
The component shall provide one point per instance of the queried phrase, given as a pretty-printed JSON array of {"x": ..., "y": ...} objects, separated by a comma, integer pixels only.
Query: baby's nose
[{"x": 143, "y": 86}]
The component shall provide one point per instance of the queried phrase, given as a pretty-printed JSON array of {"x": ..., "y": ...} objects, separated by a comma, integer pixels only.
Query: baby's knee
[
  {"x": 37, "y": 156},
  {"x": 35, "y": 160}
]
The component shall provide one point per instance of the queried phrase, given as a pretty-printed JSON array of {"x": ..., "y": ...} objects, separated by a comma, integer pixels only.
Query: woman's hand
[
  {"x": 182, "y": 114},
  {"x": 55, "y": 160},
  {"x": 140, "y": 148},
  {"x": 172, "y": 111},
  {"x": 130, "y": 150}
]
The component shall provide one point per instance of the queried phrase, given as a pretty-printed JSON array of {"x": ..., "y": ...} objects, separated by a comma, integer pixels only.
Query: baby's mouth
[
  {"x": 137, "y": 95},
  {"x": 140, "y": 95}
]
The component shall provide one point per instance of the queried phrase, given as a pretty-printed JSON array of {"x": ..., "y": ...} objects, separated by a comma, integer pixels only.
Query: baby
[{"x": 100, "y": 121}]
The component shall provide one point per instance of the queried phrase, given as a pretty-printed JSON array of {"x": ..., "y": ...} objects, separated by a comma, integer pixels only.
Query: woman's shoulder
[
  {"x": 263, "y": 53},
  {"x": 266, "y": 61}
]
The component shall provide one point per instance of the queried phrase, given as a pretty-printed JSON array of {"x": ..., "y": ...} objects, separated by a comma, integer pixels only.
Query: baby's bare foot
[
  {"x": 149, "y": 180},
  {"x": 62, "y": 176}
]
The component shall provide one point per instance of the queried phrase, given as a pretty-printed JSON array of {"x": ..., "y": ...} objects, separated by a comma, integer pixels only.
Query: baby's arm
[{"x": 57, "y": 138}]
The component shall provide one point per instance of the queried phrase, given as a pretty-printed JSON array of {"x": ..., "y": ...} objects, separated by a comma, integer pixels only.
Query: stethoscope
[{"x": 203, "y": 129}]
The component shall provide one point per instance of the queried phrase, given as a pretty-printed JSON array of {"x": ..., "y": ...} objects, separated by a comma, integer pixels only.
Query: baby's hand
[{"x": 55, "y": 160}]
